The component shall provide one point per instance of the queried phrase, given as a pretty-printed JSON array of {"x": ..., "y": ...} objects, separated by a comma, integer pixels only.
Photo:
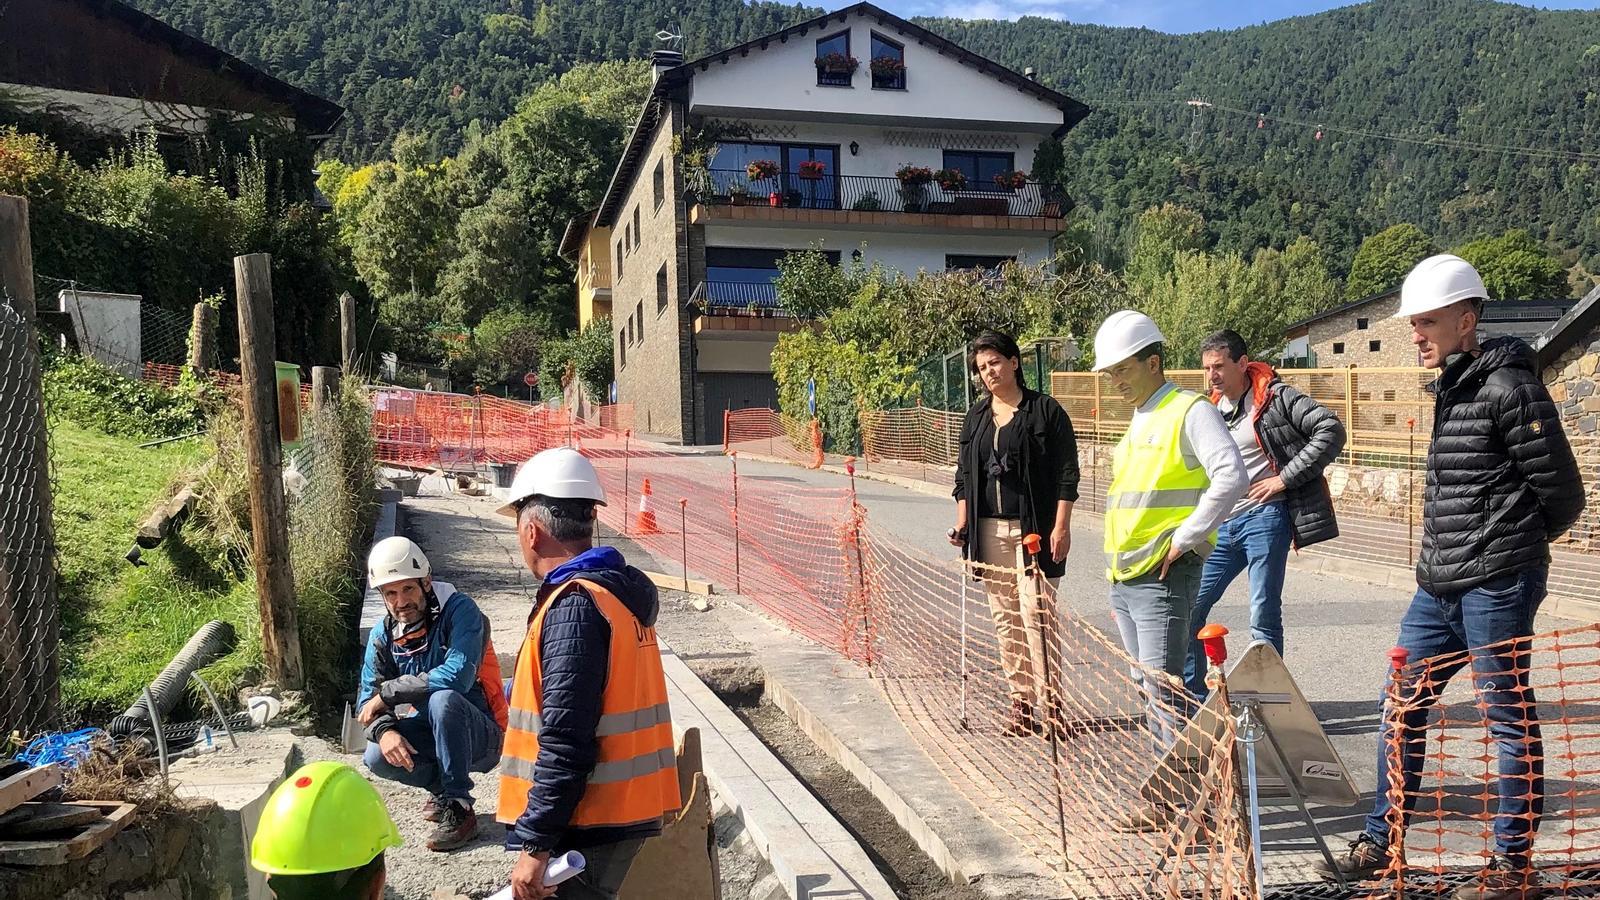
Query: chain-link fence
[{"x": 29, "y": 625}]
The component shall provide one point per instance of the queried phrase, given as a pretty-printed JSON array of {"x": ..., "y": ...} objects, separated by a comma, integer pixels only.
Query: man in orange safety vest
[{"x": 588, "y": 757}]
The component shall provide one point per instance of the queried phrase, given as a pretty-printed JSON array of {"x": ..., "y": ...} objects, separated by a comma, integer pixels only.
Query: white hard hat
[
  {"x": 1437, "y": 282},
  {"x": 395, "y": 559},
  {"x": 1122, "y": 335},
  {"x": 561, "y": 472}
]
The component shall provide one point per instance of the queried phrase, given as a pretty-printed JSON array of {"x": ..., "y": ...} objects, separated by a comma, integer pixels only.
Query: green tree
[
  {"x": 1385, "y": 258},
  {"x": 1514, "y": 266},
  {"x": 1161, "y": 234}
]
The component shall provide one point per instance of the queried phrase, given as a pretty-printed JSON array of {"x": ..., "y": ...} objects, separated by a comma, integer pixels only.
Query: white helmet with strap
[
  {"x": 560, "y": 473},
  {"x": 1121, "y": 335},
  {"x": 1437, "y": 282},
  {"x": 395, "y": 559}
]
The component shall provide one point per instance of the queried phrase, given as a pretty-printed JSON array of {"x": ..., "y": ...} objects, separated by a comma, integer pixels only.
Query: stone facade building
[{"x": 1364, "y": 333}]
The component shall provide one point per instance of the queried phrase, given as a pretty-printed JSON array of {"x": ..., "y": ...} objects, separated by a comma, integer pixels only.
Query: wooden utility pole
[
  {"x": 16, "y": 255},
  {"x": 269, "y": 516},
  {"x": 202, "y": 339},
  {"x": 30, "y": 666},
  {"x": 347, "y": 332},
  {"x": 324, "y": 388}
]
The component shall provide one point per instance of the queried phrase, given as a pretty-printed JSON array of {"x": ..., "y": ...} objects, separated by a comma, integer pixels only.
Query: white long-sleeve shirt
[{"x": 1205, "y": 440}]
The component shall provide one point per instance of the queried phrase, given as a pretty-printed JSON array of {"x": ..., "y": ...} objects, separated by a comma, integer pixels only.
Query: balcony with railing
[
  {"x": 786, "y": 198},
  {"x": 594, "y": 279},
  {"x": 738, "y": 298}
]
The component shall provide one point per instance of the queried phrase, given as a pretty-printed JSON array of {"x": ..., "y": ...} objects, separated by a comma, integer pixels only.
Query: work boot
[
  {"x": 1505, "y": 878},
  {"x": 1363, "y": 859},
  {"x": 433, "y": 808},
  {"x": 458, "y": 824},
  {"x": 1146, "y": 819},
  {"x": 1020, "y": 722}
]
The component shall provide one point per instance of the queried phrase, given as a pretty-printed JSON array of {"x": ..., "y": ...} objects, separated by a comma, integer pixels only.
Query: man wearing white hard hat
[
  {"x": 1501, "y": 485},
  {"x": 1175, "y": 476},
  {"x": 431, "y": 698},
  {"x": 588, "y": 762}
]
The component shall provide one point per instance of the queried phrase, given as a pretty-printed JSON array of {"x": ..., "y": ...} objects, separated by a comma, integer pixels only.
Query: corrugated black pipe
[{"x": 213, "y": 641}]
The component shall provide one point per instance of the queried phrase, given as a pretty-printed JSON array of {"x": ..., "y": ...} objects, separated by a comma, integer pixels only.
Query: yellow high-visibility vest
[{"x": 1153, "y": 489}]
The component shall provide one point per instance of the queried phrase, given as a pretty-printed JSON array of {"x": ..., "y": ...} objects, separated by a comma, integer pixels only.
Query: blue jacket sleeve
[
  {"x": 574, "y": 650},
  {"x": 377, "y": 666}
]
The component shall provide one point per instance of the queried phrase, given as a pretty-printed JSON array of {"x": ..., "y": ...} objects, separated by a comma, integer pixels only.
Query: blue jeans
[
  {"x": 1153, "y": 619},
  {"x": 1499, "y": 610},
  {"x": 451, "y": 739},
  {"x": 1258, "y": 541}
]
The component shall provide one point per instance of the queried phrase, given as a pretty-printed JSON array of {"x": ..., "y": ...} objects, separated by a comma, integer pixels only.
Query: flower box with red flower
[
  {"x": 813, "y": 169},
  {"x": 838, "y": 64},
  {"x": 761, "y": 169},
  {"x": 1011, "y": 181},
  {"x": 914, "y": 176},
  {"x": 951, "y": 180}
]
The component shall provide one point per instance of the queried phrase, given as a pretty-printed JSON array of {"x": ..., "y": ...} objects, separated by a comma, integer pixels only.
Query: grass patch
[{"x": 121, "y": 624}]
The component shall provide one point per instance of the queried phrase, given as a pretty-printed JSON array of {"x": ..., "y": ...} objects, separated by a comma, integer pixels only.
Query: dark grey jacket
[
  {"x": 1502, "y": 481},
  {"x": 1301, "y": 438}
]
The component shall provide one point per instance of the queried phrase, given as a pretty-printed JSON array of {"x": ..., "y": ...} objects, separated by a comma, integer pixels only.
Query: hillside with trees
[{"x": 1465, "y": 117}]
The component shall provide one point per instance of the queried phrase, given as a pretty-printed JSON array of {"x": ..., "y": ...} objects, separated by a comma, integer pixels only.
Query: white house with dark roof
[{"x": 831, "y": 132}]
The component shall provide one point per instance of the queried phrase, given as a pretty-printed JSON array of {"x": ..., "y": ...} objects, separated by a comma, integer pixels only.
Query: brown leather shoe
[
  {"x": 1364, "y": 858},
  {"x": 1506, "y": 878},
  {"x": 1021, "y": 722},
  {"x": 458, "y": 825}
]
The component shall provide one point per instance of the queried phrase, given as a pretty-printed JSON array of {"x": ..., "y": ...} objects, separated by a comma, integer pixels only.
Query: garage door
[{"x": 735, "y": 390}]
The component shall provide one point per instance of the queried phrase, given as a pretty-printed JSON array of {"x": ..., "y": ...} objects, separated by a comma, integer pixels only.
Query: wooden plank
[
  {"x": 45, "y": 818},
  {"x": 703, "y": 588},
  {"x": 61, "y": 851},
  {"x": 20, "y": 788}
]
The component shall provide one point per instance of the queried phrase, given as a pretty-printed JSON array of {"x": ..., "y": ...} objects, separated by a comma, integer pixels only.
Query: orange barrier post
[
  {"x": 1394, "y": 714},
  {"x": 853, "y": 535},
  {"x": 1051, "y": 711},
  {"x": 627, "y": 453},
  {"x": 647, "y": 512},
  {"x": 727, "y": 422},
  {"x": 816, "y": 444}
]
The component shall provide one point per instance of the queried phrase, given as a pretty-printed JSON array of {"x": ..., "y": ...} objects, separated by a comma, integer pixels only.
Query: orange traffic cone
[{"x": 647, "y": 514}]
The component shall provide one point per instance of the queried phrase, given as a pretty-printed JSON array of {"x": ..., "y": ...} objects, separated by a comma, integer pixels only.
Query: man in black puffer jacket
[
  {"x": 1287, "y": 440},
  {"x": 1501, "y": 484}
]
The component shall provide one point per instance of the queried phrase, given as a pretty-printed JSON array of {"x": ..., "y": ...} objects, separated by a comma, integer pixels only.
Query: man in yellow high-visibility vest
[{"x": 1175, "y": 476}]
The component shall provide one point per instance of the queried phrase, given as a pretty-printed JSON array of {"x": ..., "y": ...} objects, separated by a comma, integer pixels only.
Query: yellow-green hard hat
[{"x": 324, "y": 818}]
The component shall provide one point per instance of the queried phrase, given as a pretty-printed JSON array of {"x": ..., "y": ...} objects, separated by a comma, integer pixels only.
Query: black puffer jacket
[
  {"x": 1502, "y": 482},
  {"x": 1301, "y": 439}
]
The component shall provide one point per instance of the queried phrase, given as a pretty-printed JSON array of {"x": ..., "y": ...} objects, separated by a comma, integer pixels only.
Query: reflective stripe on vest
[
  {"x": 635, "y": 778},
  {"x": 1154, "y": 488}
]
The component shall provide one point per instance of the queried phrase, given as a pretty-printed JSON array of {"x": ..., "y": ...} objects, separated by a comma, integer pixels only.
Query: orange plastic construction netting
[{"x": 1504, "y": 742}]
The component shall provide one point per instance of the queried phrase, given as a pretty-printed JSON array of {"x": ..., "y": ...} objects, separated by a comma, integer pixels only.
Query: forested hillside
[{"x": 1463, "y": 116}]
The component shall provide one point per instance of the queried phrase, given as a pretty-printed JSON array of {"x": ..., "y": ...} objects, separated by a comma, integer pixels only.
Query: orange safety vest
[
  {"x": 494, "y": 688},
  {"x": 635, "y": 778}
]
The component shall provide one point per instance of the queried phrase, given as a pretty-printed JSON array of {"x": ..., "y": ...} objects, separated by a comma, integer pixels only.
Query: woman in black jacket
[{"x": 1017, "y": 474}]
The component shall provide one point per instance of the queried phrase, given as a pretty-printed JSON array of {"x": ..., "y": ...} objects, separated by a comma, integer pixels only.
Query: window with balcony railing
[{"x": 881, "y": 193}]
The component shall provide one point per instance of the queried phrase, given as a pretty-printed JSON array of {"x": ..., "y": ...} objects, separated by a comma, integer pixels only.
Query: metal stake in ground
[
  {"x": 962, "y": 712},
  {"x": 737, "y": 589},
  {"x": 683, "y": 534},
  {"x": 1030, "y": 545},
  {"x": 861, "y": 566},
  {"x": 627, "y": 454}
]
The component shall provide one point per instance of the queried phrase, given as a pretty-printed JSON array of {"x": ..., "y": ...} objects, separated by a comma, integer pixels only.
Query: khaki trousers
[{"x": 1024, "y": 621}]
